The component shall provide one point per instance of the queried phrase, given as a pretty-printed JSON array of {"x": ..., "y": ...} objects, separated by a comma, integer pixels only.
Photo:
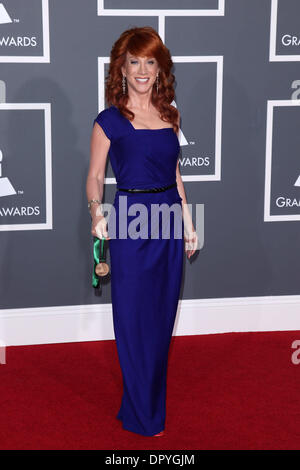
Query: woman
[{"x": 140, "y": 130}]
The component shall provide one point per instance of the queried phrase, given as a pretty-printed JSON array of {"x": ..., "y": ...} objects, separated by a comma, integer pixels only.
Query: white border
[
  {"x": 216, "y": 176},
  {"x": 268, "y": 164},
  {"x": 273, "y": 56},
  {"x": 48, "y": 225},
  {"x": 74, "y": 323},
  {"x": 45, "y": 58},
  {"x": 152, "y": 12},
  {"x": 161, "y": 14},
  {"x": 157, "y": 11}
]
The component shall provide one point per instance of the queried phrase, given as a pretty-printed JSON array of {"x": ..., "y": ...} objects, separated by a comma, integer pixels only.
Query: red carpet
[{"x": 225, "y": 391}]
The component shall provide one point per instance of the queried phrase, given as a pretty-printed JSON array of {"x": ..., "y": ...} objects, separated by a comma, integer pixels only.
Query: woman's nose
[{"x": 142, "y": 69}]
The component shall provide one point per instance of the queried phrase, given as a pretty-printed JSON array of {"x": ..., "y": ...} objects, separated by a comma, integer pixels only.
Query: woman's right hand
[{"x": 99, "y": 227}]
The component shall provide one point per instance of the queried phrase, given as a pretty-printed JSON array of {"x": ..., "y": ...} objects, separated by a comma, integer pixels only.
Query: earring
[
  {"x": 157, "y": 83},
  {"x": 123, "y": 84}
]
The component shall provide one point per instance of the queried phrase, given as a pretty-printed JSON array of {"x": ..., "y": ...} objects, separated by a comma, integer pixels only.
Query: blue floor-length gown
[{"x": 146, "y": 273}]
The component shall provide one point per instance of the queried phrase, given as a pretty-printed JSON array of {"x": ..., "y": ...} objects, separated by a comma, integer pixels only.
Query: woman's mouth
[{"x": 142, "y": 80}]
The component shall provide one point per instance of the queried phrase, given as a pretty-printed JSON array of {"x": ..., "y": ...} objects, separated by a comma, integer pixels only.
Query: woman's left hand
[{"x": 191, "y": 242}]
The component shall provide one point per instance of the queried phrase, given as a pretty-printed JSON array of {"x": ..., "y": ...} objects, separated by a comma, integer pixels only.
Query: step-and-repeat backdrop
[{"x": 237, "y": 72}]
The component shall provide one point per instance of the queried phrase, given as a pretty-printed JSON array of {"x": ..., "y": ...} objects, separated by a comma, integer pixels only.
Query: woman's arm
[
  {"x": 190, "y": 234},
  {"x": 99, "y": 147}
]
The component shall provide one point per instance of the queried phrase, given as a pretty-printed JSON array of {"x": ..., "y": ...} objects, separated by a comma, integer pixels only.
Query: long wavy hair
[{"x": 142, "y": 42}]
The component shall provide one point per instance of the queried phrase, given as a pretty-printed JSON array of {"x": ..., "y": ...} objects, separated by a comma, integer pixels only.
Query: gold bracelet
[{"x": 92, "y": 201}]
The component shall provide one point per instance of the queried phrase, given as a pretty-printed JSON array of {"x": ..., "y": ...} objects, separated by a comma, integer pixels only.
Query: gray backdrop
[{"x": 251, "y": 204}]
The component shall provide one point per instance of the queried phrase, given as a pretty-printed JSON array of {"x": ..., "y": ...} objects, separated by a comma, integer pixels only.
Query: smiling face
[{"x": 140, "y": 72}]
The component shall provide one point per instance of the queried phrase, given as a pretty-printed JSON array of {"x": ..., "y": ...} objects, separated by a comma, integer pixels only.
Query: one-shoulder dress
[{"x": 146, "y": 272}]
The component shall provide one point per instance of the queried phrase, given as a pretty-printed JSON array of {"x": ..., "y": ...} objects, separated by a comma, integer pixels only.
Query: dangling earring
[
  {"x": 123, "y": 84},
  {"x": 157, "y": 83}
]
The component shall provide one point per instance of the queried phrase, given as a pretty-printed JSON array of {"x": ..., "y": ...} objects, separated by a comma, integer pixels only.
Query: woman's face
[{"x": 136, "y": 68}]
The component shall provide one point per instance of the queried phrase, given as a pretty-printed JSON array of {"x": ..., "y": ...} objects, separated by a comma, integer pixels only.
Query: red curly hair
[{"x": 142, "y": 42}]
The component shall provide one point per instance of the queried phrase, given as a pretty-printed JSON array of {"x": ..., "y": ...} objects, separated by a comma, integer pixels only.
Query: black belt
[{"x": 151, "y": 190}]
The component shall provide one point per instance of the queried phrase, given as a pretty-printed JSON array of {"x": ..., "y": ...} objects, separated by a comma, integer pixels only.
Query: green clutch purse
[{"x": 101, "y": 268}]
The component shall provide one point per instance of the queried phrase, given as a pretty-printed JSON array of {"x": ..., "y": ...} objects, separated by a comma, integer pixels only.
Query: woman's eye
[{"x": 135, "y": 61}]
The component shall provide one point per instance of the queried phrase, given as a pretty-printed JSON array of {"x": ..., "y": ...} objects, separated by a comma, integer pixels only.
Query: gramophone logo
[
  {"x": 4, "y": 16},
  {"x": 25, "y": 166},
  {"x": 284, "y": 31},
  {"x": 24, "y": 37},
  {"x": 282, "y": 178},
  {"x": 6, "y": 188}
]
